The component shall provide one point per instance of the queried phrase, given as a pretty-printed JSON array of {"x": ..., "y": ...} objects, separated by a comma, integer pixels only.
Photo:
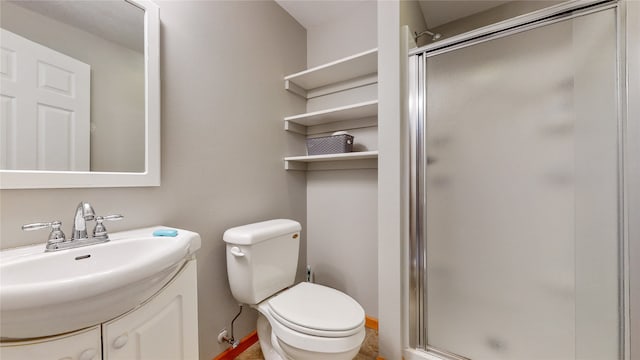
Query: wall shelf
[
  {"x": 299, "y": 123},
  {"x": 335, "y": 77},
  {"x": 357, "y": 70},
  {"x": 352, "y": 160}
]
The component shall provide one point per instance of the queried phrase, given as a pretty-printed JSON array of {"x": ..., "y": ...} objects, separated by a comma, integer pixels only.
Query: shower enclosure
[{"x": 517, "y": 185}]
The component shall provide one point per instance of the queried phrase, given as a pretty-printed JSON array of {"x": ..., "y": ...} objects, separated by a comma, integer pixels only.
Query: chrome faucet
[{"x": 84, "y": 212}]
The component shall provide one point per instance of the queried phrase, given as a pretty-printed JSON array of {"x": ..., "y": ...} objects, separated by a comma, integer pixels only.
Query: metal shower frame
[{"x": 628, "y": 41}]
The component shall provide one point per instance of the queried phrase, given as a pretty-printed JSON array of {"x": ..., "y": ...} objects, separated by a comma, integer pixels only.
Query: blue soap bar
[{"x": 166, "y": 232}]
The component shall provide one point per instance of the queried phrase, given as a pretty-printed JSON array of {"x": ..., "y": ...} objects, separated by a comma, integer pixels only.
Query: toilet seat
[
  {"x": 319, "y": 344},
  {"x": 315, "y": 318},
  {"x": 317, "y": 310}
]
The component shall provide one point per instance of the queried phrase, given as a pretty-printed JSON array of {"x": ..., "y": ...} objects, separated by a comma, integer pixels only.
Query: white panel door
[
  {"x": 82, "y": 345},
  {"x": 165, "y": 328},
  {"x": 45, "y": 114}
]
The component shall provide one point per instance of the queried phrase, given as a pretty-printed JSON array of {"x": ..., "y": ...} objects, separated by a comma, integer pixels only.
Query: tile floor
[{"x": 368, "y": 351}]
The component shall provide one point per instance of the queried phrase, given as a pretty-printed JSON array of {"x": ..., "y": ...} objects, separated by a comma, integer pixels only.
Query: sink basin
[{"x": 43, "y": 294}]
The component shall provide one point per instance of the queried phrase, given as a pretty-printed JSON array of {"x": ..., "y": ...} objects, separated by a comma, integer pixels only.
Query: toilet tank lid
[{"x": 254, "y": 233}]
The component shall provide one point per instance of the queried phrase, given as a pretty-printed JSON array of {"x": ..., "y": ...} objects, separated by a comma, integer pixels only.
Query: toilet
[{"x": 306, "y": 321}]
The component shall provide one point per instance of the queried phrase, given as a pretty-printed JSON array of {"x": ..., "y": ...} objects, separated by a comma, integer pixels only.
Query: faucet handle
[
  {"x": 114, "y": 217},
  {"x": 36, "y": 226},
  {"x": 100, "y": 231},
  {"x": 56, "y": 234}
]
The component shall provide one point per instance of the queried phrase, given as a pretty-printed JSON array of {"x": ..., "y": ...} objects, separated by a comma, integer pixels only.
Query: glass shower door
[{"x": 520, "y": 178}]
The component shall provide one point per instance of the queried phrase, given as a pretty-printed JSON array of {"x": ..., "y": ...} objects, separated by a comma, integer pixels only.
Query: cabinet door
[
  {"x": 81, "y": 345},
  {"x": 166, "y": 327}
]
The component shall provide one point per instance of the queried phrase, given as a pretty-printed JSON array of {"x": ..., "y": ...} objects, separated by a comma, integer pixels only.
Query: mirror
[{"x": 80, "y": 94}]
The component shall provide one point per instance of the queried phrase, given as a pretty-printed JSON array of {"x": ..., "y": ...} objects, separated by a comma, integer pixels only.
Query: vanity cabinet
[
  {"x": 80, "y": 345},
  {"x": 164, "y": 327}
]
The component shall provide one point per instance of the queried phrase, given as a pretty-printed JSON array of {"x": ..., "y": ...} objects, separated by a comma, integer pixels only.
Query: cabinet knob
[
  {"x": 88, "y": 354},
  {"x": 120, "y": 341}
]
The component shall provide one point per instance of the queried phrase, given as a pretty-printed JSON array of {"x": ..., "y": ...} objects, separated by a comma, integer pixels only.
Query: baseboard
[
  {"x": 371, "y": 323},
  {"x": 252, "y": 338},
  {"x": 244, "y": 344}
]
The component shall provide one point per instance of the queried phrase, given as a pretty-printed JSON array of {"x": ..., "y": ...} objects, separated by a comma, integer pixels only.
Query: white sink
[{"x": 43, "y": 294}]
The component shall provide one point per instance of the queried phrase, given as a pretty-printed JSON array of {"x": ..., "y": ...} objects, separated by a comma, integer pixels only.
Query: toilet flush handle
[{"x": 236, "y": 251}]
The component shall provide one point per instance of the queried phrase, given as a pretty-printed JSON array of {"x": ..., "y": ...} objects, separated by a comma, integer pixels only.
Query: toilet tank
[{"x": 262, "y": 258}]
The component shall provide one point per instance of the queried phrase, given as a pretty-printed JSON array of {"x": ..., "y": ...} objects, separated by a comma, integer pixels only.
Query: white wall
[
  {"x": 392, "y": 182},
  {"x": 222, "y": 146},
  {"x": 342, "y": 204},
  {"x": 117, "y": 85}
]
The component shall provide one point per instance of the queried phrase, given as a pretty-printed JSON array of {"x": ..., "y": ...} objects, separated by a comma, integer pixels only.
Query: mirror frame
[{"x": 28, "y": 179}]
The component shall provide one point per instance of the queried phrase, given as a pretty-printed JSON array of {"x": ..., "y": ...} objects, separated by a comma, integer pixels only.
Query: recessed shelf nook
[
  {"x": 333, "y": 78},
  {"x": 353, "y": 71}
]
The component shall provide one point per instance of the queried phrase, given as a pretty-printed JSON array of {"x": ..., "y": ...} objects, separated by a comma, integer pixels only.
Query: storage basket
[{"x": 333, "y": 144}]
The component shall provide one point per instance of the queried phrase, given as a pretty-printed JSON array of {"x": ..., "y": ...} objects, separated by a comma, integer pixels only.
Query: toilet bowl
[
  {"x": 310, "y": 321},
  {"x": 302, "y": 322}
]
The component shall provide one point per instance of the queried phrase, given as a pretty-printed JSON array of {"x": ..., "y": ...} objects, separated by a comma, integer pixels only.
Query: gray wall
[
  {"x": 117, "y": 85},
  {"x": 492, "y": 16},
  {"x": 355, "y": 31},
  {"x": 222, "y": 146},
  {"x": 411, "y": 15},
  {"x": 342, "y": 204}
]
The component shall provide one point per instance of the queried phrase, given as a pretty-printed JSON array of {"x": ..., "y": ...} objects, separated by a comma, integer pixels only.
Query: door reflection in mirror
[{"x": 57, "y": 116}]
